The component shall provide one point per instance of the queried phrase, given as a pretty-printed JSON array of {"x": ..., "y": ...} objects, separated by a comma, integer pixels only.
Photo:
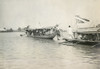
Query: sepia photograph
[{"x": 49, "y": 34}]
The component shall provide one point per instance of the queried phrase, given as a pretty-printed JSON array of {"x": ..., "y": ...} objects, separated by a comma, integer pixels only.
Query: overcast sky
[{"x": 20, "y": 13}]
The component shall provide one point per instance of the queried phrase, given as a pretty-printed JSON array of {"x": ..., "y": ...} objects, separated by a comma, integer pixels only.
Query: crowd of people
[{"x": 44, "y": 31}]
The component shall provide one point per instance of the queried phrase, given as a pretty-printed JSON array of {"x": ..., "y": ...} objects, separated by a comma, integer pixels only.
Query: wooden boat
[
  {"x": 46, "y": 33},
  {"x": 85, "y": 37}
]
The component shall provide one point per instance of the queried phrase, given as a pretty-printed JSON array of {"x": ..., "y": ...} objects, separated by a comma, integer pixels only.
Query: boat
[
  {"x": 88, "y": 36},
  {"x": 45, "y": 33}
]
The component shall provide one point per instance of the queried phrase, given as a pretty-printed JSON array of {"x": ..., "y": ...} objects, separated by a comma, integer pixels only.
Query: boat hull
[
  {"x": 43, "y": 36},
  {"x": 86, "y": 42}
]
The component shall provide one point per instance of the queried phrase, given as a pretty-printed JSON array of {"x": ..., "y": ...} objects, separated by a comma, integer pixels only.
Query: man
[{"x": 70, "y": 32}]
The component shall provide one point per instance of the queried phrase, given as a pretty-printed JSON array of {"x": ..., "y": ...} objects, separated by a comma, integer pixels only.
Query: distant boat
[{"x": 45, "y": 33}]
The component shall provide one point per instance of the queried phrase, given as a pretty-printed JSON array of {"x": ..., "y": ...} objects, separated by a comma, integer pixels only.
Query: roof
[{"x": 90, "y": 30}]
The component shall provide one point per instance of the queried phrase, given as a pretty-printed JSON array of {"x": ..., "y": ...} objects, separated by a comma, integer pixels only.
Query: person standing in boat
[{"x": 70, "y": 32}]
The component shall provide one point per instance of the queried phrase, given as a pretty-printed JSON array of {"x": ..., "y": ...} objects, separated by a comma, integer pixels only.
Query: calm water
[{"x": 18, "y": 52}]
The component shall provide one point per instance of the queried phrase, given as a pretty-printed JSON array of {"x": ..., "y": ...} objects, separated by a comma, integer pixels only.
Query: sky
[{"x": 20, "y": 13}]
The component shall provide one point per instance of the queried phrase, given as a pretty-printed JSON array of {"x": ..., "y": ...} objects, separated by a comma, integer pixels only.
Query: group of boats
[
  {"x": 86, "y": 36},
  {"x": 89, "y": 35}
]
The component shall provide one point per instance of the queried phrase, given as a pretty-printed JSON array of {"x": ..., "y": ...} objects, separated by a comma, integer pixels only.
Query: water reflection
[
  {"x": 32, "y": 53},
  {"x": 90, "y": 54}
]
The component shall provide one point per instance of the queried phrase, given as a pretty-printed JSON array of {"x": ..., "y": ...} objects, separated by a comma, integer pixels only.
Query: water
[{"x": 18, "y": 52}]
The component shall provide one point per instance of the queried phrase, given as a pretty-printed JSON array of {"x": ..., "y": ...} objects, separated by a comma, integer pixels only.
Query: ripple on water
[{"x": 32, "y": 53}]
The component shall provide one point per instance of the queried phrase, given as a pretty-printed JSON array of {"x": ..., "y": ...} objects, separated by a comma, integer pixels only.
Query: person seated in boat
[
  {"x": 79, "y": 36},
  {"x": 70, "y": 32},
  {"x": 51, "y": 31},
  {"x": 26, "y": 31},
  {"x": 30, "y": 32},
  {"x": 84, "y": 37}
]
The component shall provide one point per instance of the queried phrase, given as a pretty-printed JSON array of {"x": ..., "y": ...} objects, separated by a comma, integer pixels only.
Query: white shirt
[{"x": 70, "y": 31}]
